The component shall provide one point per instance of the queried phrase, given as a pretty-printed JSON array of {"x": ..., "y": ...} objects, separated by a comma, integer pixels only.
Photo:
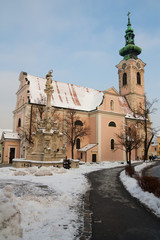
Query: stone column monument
[{"x": 48, "y": 137}]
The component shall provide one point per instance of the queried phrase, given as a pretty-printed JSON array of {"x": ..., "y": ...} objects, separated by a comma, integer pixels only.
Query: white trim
[
  {"x": 98, "y": 135},
  {"x": 124, "y": 153}
]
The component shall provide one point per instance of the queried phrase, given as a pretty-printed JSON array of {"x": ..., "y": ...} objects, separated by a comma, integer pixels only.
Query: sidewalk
[
  {"x": 117, "y": 215},
  {"x": 5, "y": 165}
]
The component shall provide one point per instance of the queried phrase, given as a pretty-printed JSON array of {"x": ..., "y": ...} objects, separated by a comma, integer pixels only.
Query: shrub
[
  {"x": 130, "y": 170},
  {"x": 150, "y": 184}
]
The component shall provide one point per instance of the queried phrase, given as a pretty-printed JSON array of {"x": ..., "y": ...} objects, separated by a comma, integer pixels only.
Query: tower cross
[{"x": 128, "y": 14}]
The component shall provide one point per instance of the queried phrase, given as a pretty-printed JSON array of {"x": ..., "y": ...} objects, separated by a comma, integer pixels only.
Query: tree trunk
[
  {"x": 146, "y": 137},
  {"x": 126, "y": 156},
  {"x": 72, "y": 151},
  {"x": 129, "y": 157}
]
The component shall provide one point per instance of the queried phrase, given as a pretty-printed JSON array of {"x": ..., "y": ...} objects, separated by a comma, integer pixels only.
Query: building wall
[
  {"x": 158, "y": 142},
  {"x": 134, "y": 92},
  {"x": 84, "y": 117},
  {"x": 92, "y": 151},
  {"x": 8, "y": 144},
  {"x": 154, "y": 150},
  {"x": 107, "y": 134},
  {"x": 92, "y": 125}
]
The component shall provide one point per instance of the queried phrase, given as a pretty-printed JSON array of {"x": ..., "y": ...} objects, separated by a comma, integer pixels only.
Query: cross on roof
[{"x": 128, "y": 14}]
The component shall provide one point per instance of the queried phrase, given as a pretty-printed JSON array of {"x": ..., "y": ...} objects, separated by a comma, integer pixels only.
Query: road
[
  {"x": 116, "y": 214},
  {"x": 154, "y": 170}
]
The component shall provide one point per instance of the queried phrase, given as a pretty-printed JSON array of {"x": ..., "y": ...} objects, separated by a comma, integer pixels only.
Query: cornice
[
  {"x": 111, "y": 113},
  {"x": 22, "y": 88}
]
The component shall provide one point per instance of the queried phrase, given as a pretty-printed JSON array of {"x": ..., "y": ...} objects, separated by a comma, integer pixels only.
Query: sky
[{"x": 79, "y": 39}]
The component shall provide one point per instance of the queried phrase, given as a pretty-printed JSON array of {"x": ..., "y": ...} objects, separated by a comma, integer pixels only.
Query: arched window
[
  {"x": 112, "y": 105},
  {"x": 78, "y": 123},
  {"x": 138, "y": 78},
  {"x": 112, "y": 144},
  {"x": 78, "y": 143},
  {"x": 124, "y": 79},
  {"x": 112, "y": 124},
  {"x": 19, "y": 122}
]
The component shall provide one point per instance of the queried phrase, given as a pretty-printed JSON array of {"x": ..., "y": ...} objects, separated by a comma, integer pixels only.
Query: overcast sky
[{"x": 79, "y": 39}]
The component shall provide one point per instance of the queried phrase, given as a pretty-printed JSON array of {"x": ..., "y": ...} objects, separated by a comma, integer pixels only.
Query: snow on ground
[
  {"x": 148, "y": 199},
  {"x": 44, "y": 203}
]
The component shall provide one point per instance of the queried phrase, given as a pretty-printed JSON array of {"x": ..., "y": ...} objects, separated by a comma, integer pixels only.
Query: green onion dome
[{"x": 130, "y": 50}]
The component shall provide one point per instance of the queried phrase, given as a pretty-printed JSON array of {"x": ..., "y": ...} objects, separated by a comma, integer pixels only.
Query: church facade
[{"x": 105, "y": 112}]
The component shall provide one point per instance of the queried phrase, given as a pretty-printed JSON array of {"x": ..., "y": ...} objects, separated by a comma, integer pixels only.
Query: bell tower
[{"x": 131, "y": 70}]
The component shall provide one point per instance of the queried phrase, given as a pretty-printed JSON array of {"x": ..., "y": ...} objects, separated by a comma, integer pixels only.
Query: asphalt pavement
[{"x": 116, "y": 214}]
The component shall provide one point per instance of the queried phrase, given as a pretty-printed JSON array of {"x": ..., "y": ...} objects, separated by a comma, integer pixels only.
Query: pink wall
[
  {"x": 92, "y": 125},
  {"x": 8, "y": 144},
  {"x": 108, "y": 133}
]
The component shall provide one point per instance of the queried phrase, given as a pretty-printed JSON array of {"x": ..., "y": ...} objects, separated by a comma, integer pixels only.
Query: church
[{"x": 105, "y": 112}]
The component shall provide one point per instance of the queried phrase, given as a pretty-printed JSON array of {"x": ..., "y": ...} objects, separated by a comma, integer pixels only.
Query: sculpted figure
[{"x": 49, "y": 79}]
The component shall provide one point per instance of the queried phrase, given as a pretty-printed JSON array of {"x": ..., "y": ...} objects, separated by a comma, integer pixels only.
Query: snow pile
[
  {"x": 31, "y": 170},
  {"x": 20, "y": 173},
  {"x": 148, "y": 199},
  {"x": 49, "y": 207},
  {"x": 43, "y": 172},
  {"x": 10, "y": 217}
]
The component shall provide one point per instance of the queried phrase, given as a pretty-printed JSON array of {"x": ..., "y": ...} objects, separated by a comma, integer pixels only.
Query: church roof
[
  {"x": 4, "y": 130},
  {"x": 87, "y": 147},
  {"x": 71, "y": 96},
  {"x": 130, "y": 50},
  {"x": 11, "y": 135},
  {"x": 124, "y": 106},
  {"x": 65, "y": 95}
]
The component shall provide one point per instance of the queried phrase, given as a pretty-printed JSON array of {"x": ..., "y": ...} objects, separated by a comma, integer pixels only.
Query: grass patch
[{"x": 149, "y": 184}]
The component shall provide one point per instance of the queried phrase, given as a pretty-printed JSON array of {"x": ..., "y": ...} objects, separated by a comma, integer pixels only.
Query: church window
[
  {"x": 112, "y": 124},
  {"x": 112, "y": 144},
  {"x": 78, "y": 142},
  {"x": 138, "y": 78},
  {"x": 78, "y": 123},
  {"x": 124, "y": 79},
  {"x": 19, "y": 122},
  {"x": 112, "y": 105}
]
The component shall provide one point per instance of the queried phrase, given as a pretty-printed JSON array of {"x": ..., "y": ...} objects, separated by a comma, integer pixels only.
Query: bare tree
[
  {"x": 74, "y": 128},
  {"x": 129, "y": 138},
  {"x": 143, "y": 118}
]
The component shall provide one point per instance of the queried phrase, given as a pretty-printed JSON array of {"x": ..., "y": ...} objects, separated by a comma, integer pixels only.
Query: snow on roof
[
  {"x": 154, "y": 144},
  {"x": 4, "y": 130},
  {"x": 87, "y": 147},
  {"x": 11, "y": 135},
  {"x": 124, "y": 106},
  {"x": 65, "y": 95}
]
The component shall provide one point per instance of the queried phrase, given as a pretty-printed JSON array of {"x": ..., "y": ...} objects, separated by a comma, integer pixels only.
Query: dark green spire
[{"x": 130, "y": 50}]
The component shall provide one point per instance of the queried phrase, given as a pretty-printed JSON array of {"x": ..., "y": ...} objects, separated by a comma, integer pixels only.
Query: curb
[{"x": 87, "y": 216}]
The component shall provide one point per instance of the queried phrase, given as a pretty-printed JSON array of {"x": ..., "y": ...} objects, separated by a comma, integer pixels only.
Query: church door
[
  {"x": 11, "y": 155},
  {"x": 93, "y": 157}
]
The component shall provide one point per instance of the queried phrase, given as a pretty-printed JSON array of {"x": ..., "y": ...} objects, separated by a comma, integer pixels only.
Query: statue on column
[{"x": 49, "y": 80}]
